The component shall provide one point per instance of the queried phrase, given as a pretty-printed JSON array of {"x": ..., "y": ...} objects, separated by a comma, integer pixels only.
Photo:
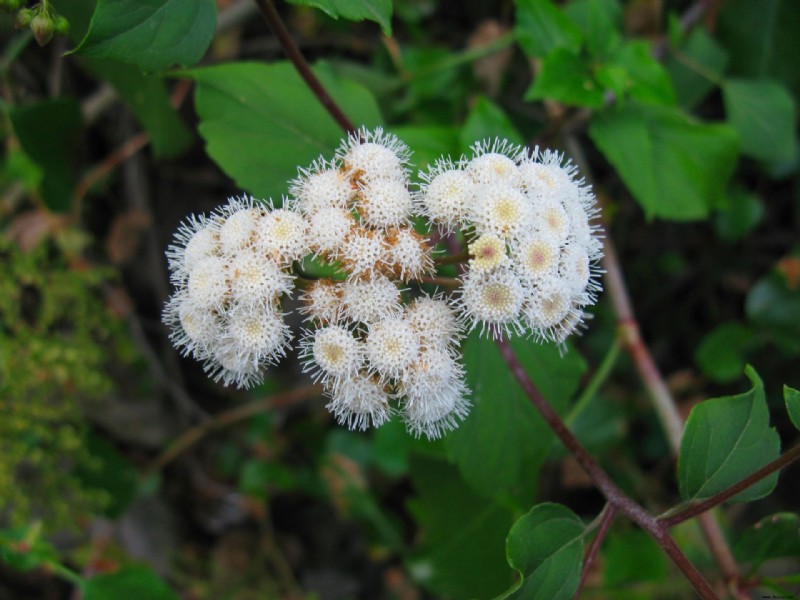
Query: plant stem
[
  {"x": 298, "y": 60},
  {"x": 698, "y": 508},
  {"x": 190, "y": 437},
  {"x": 597, "y": 381},
  {"x": 606, "y": 518},
  {"x": 601, "y": 479}
]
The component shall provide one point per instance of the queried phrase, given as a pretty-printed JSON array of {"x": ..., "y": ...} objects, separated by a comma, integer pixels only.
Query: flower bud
[
  {"x": 42, "y": 27},
  {"x": 61, "y": 25},
  {"x": 24, "y": 18},
  {"x": 10, "y": 6}
]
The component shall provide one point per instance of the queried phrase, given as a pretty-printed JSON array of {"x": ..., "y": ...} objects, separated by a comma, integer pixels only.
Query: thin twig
[
  {"x": 606, "y": 518},
  {"x": 601, "y": 479},
  {"x": 293, "y": 52},
  {"x": 698, "y": 508},
  {"x": 190, "y": 437}
]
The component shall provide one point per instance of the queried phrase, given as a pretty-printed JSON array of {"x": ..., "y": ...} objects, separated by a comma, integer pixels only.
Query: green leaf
[
  {"x": 260, "y": 122},
  {"x": 792, "y": 398},
  {"x": 129, "y": 582},
  {"x": 675, "y": 167},
  {"x": 776, "y": 536},
  {"x": 462, "y": 550},
  {"x": 565, "y": 77},
  {"x": 743, "y": 211},
  {"x": 501, "y": 445},
  {"x": 108, "y": 470},
  {"x": 774, "y": 305},
  {"x": 720, "y": 354},
  {"x": 379, "y": 11},
  {"x": 149, "y": 100},
  {"x": 542, "y": 27},
  {"x": 429, "y": 142},
  {"x": 546, "y": 547},
  {"x": 599, "y": 22},
  {"x": 48, "y": 132},
  {"x": 761, "y": 39},
  {"x": 695, "y": 67},
  {"x": 631, "y": 557},
  {"x": 485, "y": 121},
  {"x": 725, "y": 440},
  {"x": 648, "y": 82},
  {"x": 151, "y": 34},
  {"x": 763, "y": 113}
]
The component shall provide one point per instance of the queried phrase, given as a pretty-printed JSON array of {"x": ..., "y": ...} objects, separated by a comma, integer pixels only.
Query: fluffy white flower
[
  {"x": 359, "y": 402},
  {"x": 208, "y": 282},
  {"x": 253, "y": 337},
  {"x": 238, "y": 224},
  {"x": 328, "y": 229},
  {"x": 494, "y": 163},
  {"x": 435, "y": 394},
  {"x": 434, "y": 321},
  {"x": 445, "y": 195},
  {"x": 363, "y": 253},
  {"x": 192, "y": 329},
  {"x": 322, "y": 185},
  {"x": 575, "y": 269},
  {"x": 550, "y": 218},
  {"x": 501, "y": 210},
  {"x": 331, "y": 353},
  {"x": 256, "y": 279},
  {"x": 487, "y": 253},
  {"x": 368, "y": 301},
  {"x": 408, "y": 254},
  {"x": 282, "y": 235},
  {"x": 536, "y": 257},
  {"x": 370, "y": 155},
  {"x": 391, "y": 347},
  {"x": 548, "y": 304},
  {"x": 322, "y": 301},
  {"x": 384, "y": 203},
  {"x": 494, "y": 301},
  {"x": 195, "y": 239}
]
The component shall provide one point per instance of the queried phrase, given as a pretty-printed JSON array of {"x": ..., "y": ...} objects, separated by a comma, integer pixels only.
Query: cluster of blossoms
[
  {"x": 533, "y": 250},
  {"x": 377, "y": 348}
]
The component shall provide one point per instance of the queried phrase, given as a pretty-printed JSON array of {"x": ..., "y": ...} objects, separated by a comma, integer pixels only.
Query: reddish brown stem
[
  {"x": 615, "y": 496},
  {"x": 693, "y": 510},
  {"x": 298, "y": 60},
  {"x": 606, "y": 518}
]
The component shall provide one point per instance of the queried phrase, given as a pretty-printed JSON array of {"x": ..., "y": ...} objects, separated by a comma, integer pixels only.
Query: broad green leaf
[
  {"x": 648, "y": 82},
  {"x": 486, "y": 121},
  {"x": 675, "y": 167},
  {"x": 774, "y": 305},
  {"x": 565, "y": 77},
  {"x": 725, "y": 440},
  {"x": 463, "y": 534},
  {"x": 742, "y": 212},
  {"x": 148, "y": 99},
  {"x": 720, "y": 354},
  {"x": 792, "y": 398},
  {"x": 632, "y": 556},
  {"x": 599, "y": 22},
  {"x": 691, "y": 67},
  {"x": 260, "y": 122},
  {"x": 129, "y": 582},
  {"x": 541, "y": 27},
  {"x": 546, "y": 547},
  {"x": 48, "y": 132},
  {"x": 428, "y": 142},
  {"x": 761, "y": 39},
  {"x": 763, "y": 113},
  {"x": 151, "y": 34},
  {"x": 501, "y": 445},
  {"x": 775, "y": 536},
  {"x": 379, "y": 11}
]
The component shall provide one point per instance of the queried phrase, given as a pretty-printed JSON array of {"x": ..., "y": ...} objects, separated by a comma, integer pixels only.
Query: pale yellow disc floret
[
  {"x": 493, "y": 300},
  {"x": 391, "y": 347},
  {"x": 282, "y": 235},
  {"x": 447, "y": 198},
  {"x": 536, "y": 257},
  {"x": 238, "y": 230},
  {"x": 487, "y": 253},
  {"x": 208, "y": 284},
  {"x": 501, "y": 210},
  {"x": 368, "y": 301},
  {"x": 493, "y": 168}
]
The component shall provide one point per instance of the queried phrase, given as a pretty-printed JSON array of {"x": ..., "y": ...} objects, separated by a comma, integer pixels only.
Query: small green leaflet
[{"x": 379, "y": 11}]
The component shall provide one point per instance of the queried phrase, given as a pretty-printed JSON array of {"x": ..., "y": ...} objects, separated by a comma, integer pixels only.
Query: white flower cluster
[
  {"x": 377, "y": 348},
  {"x": 368, "y": 348},
  {"x": 533, "y": 249},
  {"x": 230, "y": 271}
]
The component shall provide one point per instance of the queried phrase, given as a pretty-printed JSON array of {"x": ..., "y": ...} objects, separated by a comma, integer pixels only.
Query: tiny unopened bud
[
  {"x": 24, "y": 18},
  {"x": 42, "y": 27},
  {"x": 61, "y": 25}
]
